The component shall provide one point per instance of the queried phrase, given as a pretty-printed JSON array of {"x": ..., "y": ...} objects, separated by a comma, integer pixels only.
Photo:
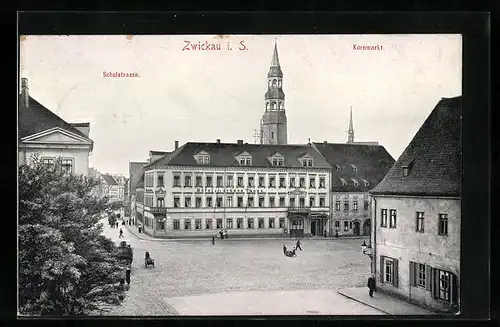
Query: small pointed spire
[
  {"x": 275, "y": 62},
  {"x": 350, "y": 121},
  {"x": 350, "y": 133}
]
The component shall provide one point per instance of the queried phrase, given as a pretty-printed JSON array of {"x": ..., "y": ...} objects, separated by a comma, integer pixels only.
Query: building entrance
[
  {"x": 356, "y": 228},
  {"x": 316, "y": 227},
  {"x": 297, "y": 227}
]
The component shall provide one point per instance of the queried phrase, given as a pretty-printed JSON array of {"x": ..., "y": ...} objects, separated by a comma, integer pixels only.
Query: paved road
[{"x": 187, "y": 270}]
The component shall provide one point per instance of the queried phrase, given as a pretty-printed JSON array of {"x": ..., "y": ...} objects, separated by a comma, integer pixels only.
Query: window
[
  {"x": 208, "y": 224},
  {"x": 250, "y": 201},
  {"x": 240, "y": 181},
  {"x": 261, "y": 222},
  {"x": 420, "y": 222},
  {"x": 197, "y": 224},
  {"x": 444, "y": 285},
  {"x": 187, "y": 223},
  {"x": 219, "y": 181},
  {"x": 421, "y": 275},
  {"x": 367, "y": 205},
  {"x": 272, "y": 182},
  {"x": 282, "y": 201},
  {"x": 67, "y": 166},
  {"x": 346, "y": 205},
  {"x": 312, "y": 201},
  {"x": 354, "y": 168},
  {"x": 187, "y": 181},
  {"x": 209, "y": 202},
  {"x": 337, "y": 167},
  {"x": 346, "y": 226},
  {"x": 177, "y": 224},
  {"x": 337, "y": 205},
  {"x": 344, "y": 183},
  {"x": 392, "y": 218},
  {"x": 292, "y": 182},
  {"x": 310, "y": 162},
  {"x": 337, "y": 224},
  {"x": 261, "y": 181},
  {"x": 302, "y": 202},
  {"x": 312, "y": 182},
  {"x": 282, "y": 222},
  {"x": 198, "y": 181},
  {"x": 366, "y": 182},
  {"x": 177, "y": 181},
  {"x": 350, "y": 225},
  {"x": 48, "y": 162},
  {"x": 250, "y": 223},
  {"x": 271, "y": 223},
  {"x": 443, "y": 224},
  {"x": 261, "y": 202},
  {"x": 160, "y": 181},
  {"x": 229, "y": 181},
  {"x": 355, "y": 205},
  {"x": 242, "y": 161},
  {"x": 292, "y": 202},
  {"x": 198, "y": 202},
  {"x": 203, "y": 159},
  {"x": 405, "y": 171},
  {"x": 219, "y": 223},
  {"x": 302, "y": 182},
  {"x": 177, "y": 202},
  {"x": 240, "y": 201},
  {"x": 229, "y": 223},
  {"x": 322, "y": 202},
  {"x": 209, "y": 181},
  {"x": 355, "y": 181},
  {"x": 304, "y": 162},
  {"x": 239, "y": 223},
  {"x": 272, "y": 201},
  {"x": 219, "y": 202},
  {"x": 274, "y": 107},
  {"x": 248, "y": 161},
  {"x": 277, "y": 161},
  {"x": 389, "y": 271},
  {"x": 229, "y": 201},
  {"x": 282, "y": 182},
  {"x": 187, "y": 202},
  {"x": 322, "y": 182},
  {"x": 383, "y": 217},
  {"x": 250, "y": 181}
]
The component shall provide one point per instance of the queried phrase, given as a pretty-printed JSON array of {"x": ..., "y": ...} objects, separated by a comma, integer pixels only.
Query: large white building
[
  {"x": 416, "y": 215},
  {"x": 246, "y": 188},
  {"x": 42, "y": 132}
]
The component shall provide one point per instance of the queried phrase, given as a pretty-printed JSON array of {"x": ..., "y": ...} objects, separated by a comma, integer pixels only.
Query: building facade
[
  {"x": 355, "y": 170},
  {"x": 416, "y": 215},
  {"x": 273, "y": 124},
  {"x": 43, "y": 133},
  {"x": 248, "y": 189}
]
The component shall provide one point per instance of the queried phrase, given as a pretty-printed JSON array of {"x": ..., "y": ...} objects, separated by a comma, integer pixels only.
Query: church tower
[
  {"x": 273, "y": 128},
  {"x": 350, "y": 133}
]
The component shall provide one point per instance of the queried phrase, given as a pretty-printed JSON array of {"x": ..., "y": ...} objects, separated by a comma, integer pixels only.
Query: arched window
[
  {"x": 267, "y": 105},
  {"x": 270, "y": 82},
  {"x": 274, "y": 83},
  {"x": 273, "y": 106},
  {"x": 280, "y": 105},
  {"x": 279, "y": 83}
]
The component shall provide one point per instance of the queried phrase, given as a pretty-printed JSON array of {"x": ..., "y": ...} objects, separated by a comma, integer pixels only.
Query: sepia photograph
[{"x": 239, "y": 175}]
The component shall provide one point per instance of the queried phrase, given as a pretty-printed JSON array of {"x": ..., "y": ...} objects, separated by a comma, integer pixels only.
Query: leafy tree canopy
[{"x": 66, "y": 265}]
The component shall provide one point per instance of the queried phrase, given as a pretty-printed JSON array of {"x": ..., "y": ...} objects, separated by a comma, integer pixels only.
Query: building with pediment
[
  {"x": 248, "y": 189},
  {"x": 42, "y": 132}
]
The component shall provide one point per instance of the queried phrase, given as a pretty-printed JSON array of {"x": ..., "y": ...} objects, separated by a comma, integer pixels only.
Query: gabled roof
[
  {"x": 109, "y": 179},
  {"x": 36, "y": 118},
  {"x": 135, "y": 172},
  {"x": 372, "y": 163},
  {"x": 222, "y": 155},
  {"x": 434, "y": 154}
]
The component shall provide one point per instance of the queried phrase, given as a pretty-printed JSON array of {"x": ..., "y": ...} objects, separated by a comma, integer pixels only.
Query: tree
[{"x": 66, "y": 265}]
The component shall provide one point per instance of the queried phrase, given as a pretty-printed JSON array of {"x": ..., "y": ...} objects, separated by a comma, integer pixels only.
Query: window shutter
[
  {"x": 395, "y": 218},
  {"x": 412, "y": 274},
  {"x": 395, "y": 275},
  {"x": 433, "y": 282},
  {"x": 428, "y": 278},
  {"x": 381, "y": 268},
  {"x": 454, "y": 289}
]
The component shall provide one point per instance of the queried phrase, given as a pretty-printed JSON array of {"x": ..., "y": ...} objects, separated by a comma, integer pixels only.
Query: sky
[{"x": 201, "y": 96}]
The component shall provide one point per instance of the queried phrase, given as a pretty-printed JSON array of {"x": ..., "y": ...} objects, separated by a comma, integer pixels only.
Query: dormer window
[
  {"x": 366, "y": 182},
  {"x": 354, "y": 168},
  {"x": 277, "y": 160},
  {"x": 338, "y": 167},
  {"x": 203, "y": 159},
  {"x": 307, "y": 162},
  {"x": 355, "y": 182},
  {"x": 344, "y": 182},
  {"x": 406, "y": 171}
]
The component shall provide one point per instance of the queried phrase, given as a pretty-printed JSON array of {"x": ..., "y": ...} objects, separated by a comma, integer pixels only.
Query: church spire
[
  {"x": 275, "y": 62},
  {"x": 350, "y": 136}
]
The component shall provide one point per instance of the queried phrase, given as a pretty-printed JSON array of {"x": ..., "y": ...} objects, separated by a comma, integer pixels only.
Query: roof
[
  {"x": 358, "y": 161},
  {"x": 36, "y": 118},
  {"x": 433, "y": 156},
  {"x": 223, "y": 155},
  {"x": 135, "y": 173},
  {"x": 156, "y": 153},
  {"x": 273, "y": 93},
  {"x": 109, "y": 179}
]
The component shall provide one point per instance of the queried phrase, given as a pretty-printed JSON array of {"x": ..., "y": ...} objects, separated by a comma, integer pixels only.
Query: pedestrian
[
  {"x": 213, "y": 239},
  {"x": 297, "y": 246},
  {"x": 371, "y": 285},
  {"x": 127, "y": 275},
  {"x": 117, "y": 224},
  {"x": 121, "y": 233},
  {"x": 284, "y": 249}
]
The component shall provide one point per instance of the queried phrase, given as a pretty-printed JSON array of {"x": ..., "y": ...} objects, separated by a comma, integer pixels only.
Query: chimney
[
  {"x": 25, "y": 94},
  {"x": 84, "y": 128},
  {"x": 218, "y": 141},
  {"x": 176, "y": 145},
  {"x": 326, "y": 142},
  {"x": 240, "y": 142}
]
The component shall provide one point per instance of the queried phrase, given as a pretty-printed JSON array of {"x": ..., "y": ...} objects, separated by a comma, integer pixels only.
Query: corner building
[{"x": 248, "y": 189}]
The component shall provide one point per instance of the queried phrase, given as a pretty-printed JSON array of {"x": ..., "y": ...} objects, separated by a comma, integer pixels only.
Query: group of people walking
[{"x": 292, "y": 253}]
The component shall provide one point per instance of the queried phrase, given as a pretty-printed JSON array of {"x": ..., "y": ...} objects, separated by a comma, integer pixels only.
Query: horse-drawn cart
[
  {"x": 125, "y": 254},
  {"x": 148, "y": 261}
]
